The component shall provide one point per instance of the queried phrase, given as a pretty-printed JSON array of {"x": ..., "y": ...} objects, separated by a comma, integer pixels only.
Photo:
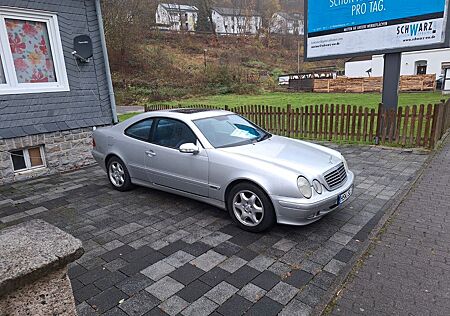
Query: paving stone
[
  {"x": 109, "y": 280},
  {"x": 107, "y": 299},
  {"x": 173, "y": 247},
  {"x": 284, "y": 245},
  {"x": 279, "y": 268},
  {"x": 116, "y": 264},
  {"x": 179, "y": 258},
  {"x": 299, "y": 278},
  {"x": 173, "y": 305},
  {"x": 311, "y": 295},
  {"x": 139, "y": 304},
  {"x": 127, "y": 229},
  {"x": 215, "y": 239},
  {"x": 139, "y": 253},
  {"x": 116, "y": 311},
  {"x": 344, "y": 255},
  {"x": 232, "y": 264},
  {"x": 140, "y": 264},
  {"x": 156, "y": 312},
  {"x": 196, "y": 249},
  {"x": 242, "y": 276},
  {"x": 193, "y": 291},
  {"x": 76, "y": 270},
  {"x": 227, "y": 249},
  {"x": 266, "y": 280},
  {"x": 261, "y": 262},
  {"x": 296, "y": 308},
  {"x": 265, "y": 306},
  {"x": 323, "y": 279},
  {"x": 201, "y": 307},
  {"x": 208, "y": 260},
  {"x": 84, "y": 309},
  {"x": 334, "y": 266},
  {"x": 93, "y": 275},
  {"x": 214, "y": 276},
  {"x": 134, "y": 284},
  {"x": 252, "y": 292},
  {"x": 116, "y": 253},
  {"x": 247, "y": 254},
  {"x": 158, "y": 270},
  {"x": 164, "y": 288},
  {"x": 186, "y": 274},
  {"x": 282, "y": 292},
  {"x": 86, "y": 292},
  {"x": 236, "y": 305},
  {"x": 221, "y": 292},
  {"x": 341, "y": 238}
]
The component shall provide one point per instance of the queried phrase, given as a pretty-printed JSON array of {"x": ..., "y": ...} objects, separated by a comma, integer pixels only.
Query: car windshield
[{"x": 230, "y": 130}]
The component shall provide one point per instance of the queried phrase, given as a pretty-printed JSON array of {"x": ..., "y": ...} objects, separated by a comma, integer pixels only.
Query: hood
[{"x": 299, "y": 156}]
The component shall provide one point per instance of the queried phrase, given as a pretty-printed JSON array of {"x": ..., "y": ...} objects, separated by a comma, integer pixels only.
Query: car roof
[{"x": 186, "y": 113}]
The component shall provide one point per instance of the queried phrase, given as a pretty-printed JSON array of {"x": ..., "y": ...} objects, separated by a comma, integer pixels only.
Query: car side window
[
  {"x": 173, "y": 133},
  {"x": 140, "y": 130}
]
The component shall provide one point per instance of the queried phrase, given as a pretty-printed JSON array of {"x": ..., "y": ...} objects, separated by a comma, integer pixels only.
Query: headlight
[
  {"x": 305, "y": 187},
  {"x": 345, "y": 163},
  {"x": 317, "y": 186}
]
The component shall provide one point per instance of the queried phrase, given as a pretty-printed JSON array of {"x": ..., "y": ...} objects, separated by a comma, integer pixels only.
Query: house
[
  {"x": 50, "y": 97},
  {"x": 413, "y": 63},
  {"x": 236, "y": 21},
  {"x": 176, "y": 17},
  {"x": 287, "y": 23}
]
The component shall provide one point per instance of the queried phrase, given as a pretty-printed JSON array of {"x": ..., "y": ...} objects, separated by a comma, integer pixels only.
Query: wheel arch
[{"x": 244, "y": 180}]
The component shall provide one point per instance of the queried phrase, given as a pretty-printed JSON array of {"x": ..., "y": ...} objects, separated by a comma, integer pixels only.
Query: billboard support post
[{"x": 391, "y": 80}]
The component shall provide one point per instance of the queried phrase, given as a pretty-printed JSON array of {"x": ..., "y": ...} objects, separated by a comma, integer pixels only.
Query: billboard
[{"x": 362, "y": 27}]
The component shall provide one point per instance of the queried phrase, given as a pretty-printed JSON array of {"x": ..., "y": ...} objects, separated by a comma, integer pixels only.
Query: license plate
[{"x": 344, "y": 196}]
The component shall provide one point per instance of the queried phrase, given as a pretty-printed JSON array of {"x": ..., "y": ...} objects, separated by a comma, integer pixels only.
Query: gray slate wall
[{"x": 86, "y": 104}]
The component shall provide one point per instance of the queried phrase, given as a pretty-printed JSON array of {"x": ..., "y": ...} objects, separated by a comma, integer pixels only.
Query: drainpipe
[{"x": 106, "y": 61}]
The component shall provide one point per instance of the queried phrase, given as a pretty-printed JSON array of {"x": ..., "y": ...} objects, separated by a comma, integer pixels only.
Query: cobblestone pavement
[
  {"x": 153, "y": 253},
  {"x": 407, "y": 272}
]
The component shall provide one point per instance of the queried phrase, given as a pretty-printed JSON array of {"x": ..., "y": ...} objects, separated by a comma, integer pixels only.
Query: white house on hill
[
  {"x": 287, "y": 23},
  {"x": 413, "y": 63},
  {"x": 236, "y": 21},
  {"x": 176, "y": 17}
]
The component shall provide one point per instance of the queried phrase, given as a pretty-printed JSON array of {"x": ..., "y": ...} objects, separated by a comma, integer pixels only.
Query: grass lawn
[
  {"x": 299, "y": 99},
  {"x": 281, "y": 99}
]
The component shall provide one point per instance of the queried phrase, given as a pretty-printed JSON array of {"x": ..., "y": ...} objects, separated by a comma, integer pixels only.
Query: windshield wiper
[{"x": 264, "y": 137}]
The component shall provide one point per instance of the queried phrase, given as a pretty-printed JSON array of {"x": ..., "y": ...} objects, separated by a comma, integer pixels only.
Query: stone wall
[{"x": 63, "y": 151}]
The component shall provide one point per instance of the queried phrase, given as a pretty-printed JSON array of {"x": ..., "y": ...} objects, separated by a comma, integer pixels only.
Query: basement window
[
  {"x": 28, "y": 158},
  {"x": 31, "y": 53}
]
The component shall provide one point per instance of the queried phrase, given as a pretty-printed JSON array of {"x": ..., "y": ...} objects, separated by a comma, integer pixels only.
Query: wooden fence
[
  {"x": 409, "y": 126},
  {"x": 374, "y": 84}
]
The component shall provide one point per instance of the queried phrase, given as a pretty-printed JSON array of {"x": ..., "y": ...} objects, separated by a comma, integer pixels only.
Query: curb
[{"x": 386, "y": 214}]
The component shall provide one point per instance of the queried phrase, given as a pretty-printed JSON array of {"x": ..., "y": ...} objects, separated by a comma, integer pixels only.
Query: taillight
[{"x": 93, "y": 142}]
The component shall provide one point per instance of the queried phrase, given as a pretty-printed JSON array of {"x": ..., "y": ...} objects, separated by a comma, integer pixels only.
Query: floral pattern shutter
[{"x": 31, "y": 51}]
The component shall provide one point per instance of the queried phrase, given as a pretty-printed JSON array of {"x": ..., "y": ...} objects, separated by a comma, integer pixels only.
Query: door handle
[{"x": 150, "y": 153}]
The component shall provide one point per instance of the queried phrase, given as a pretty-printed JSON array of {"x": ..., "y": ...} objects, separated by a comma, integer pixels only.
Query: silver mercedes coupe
[{"x": 221, "y": 158}]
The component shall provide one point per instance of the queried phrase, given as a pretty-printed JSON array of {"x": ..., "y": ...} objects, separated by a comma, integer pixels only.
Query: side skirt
[{"x": 213, "y": 202}]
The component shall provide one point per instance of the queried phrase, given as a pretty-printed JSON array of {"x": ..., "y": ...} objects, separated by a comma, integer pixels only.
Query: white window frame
[
  {"x": 26, "y": 158},
  {"x": 12, "y": 85}
]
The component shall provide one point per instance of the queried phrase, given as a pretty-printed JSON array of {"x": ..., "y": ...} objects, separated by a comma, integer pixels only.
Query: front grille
[{"x": 336, "y": 177}]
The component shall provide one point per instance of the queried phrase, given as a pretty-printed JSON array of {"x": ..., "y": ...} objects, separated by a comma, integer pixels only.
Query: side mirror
[{"x": 189, "y": 148}]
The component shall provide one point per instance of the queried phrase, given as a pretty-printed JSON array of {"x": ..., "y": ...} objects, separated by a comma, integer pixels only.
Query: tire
[
  {"x": 250, "y": 208},
  {"x": 118, "y": 175}
]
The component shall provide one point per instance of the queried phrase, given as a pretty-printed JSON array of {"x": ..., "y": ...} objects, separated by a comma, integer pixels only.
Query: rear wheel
[
  {"x": 118, "y": 175},
  {"x": 250, "y": 208}
]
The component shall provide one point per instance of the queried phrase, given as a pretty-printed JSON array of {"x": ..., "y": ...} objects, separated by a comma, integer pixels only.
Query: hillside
[{"x": 164, "y": 66}]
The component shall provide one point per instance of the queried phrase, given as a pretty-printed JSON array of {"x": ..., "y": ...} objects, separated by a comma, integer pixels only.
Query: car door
[
  {"x": 134, "y": 147},
  {"x": 169, "y": 167}
]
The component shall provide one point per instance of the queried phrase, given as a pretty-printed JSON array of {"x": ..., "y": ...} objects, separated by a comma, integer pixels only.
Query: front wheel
[
  {"x": 118, "y": 175},
  {"x": 250, "y": 208}
]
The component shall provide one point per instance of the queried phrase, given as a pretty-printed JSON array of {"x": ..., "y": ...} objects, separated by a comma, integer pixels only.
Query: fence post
[
  {"x": 226, "y": 107},
  {"x": 378, "y": 130},
  {"x": 438, "y": 121}
]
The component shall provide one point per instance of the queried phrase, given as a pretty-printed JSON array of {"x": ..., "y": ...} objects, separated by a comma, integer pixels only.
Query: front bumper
[{"x": 301, "y": 211}]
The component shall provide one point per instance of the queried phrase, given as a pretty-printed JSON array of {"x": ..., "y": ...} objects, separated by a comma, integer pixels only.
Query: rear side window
[
  {"x": 173, "y": 133},
  {"x": 140, "y": 130}
]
